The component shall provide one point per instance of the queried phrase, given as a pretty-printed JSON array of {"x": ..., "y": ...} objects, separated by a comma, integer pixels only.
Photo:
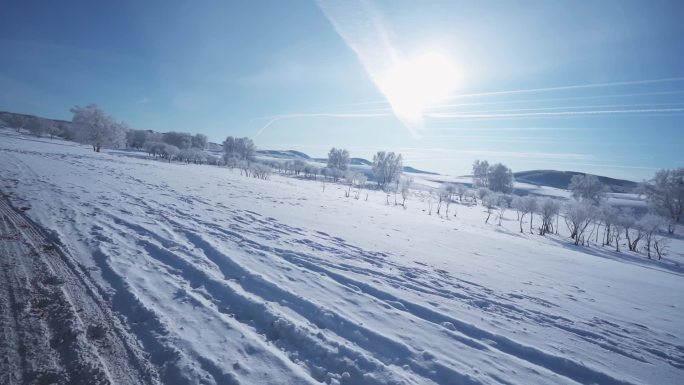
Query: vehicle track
[{"x": 58, "y": 329}]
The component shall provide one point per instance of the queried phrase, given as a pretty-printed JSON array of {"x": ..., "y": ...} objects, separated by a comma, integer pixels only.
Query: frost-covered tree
[
  {"x": 480, "y": 173},
  {"x": 298, "y": 166},
  {"x": 155, "y": 148},
  {"x": 461, "y": 191},
  {"x": 350, "y": 177},
  {"x": 405, "y": 189},
  {"x": 182, "y": 140},
  {"x": 213, "y": 160},
  {"x": 609, "y": 215},
  {"x": 633, "y": 231},
  {"x": 137, "y": 138},
  {"x": 587, "y": 188},
  {"x": 192, "y": 155},
  {"x": 429, "y": 198},
  {"x": 665, "y": 194},
  {"x": 482, "y": 192},
  {"x": 548, "y": 209},
  {"x": 260, "y": 170},
  {"x": 96, "y": 128},
  {"x": 199, "y": 141},
  {"x": 239, "y": 148},
  {"x": 500, "y": 178},
  {"x": 169, "y": 152},
  {"x": 338, "y": 158},
  {"x": 360, "y": 182},
  {"x": 333, "y": 173},
  {"x": 445, "y": 196},
  {"x": 490, "y": 201},
  {"x": 623, "y": 221},
  {"x": 38, "y": 126},
  {"x": 52, "y": 128},
  {"x": 310, "y": 172},
  {"x": 525, "y": 205},
  {"x": 651, "y": 224},
  {"x": 17, "y": 121},
  {"x": 578, "y": 216},
  {"x": 387, "y": 167}
]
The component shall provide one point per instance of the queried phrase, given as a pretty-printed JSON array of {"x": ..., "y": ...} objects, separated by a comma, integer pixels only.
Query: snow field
[{"x": 233, "y": 280}]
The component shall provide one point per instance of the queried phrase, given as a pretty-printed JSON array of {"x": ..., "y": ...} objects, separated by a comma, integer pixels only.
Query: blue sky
[{"x": 594, "y": 86}]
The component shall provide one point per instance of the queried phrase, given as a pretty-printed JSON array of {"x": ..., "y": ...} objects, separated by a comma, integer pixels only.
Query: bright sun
[{"x": 414, "y": 84}]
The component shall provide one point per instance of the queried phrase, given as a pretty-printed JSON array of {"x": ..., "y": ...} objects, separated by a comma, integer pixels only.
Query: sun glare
[{"x": 414, "y": 84}]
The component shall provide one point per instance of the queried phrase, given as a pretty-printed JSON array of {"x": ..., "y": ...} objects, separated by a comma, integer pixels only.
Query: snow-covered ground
[{"x": 233, "y": 280}]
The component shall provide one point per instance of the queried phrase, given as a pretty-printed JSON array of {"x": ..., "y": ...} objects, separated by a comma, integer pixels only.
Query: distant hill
[
  {"x": 416, "y": 171},
  {"x": 561, "y": 179},
  {"x": 286, "y": 154},
  {"x": 291, "y": 154}
]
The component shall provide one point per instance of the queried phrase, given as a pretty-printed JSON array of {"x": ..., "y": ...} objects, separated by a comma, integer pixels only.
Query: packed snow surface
[{"x": 223, "y": 279}]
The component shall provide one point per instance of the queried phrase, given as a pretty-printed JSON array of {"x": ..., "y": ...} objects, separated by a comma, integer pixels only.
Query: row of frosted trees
[{"x": 588, "y": 217}]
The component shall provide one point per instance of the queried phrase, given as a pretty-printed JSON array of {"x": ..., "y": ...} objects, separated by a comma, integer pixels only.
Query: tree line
[{"x": 587, "y": 216}]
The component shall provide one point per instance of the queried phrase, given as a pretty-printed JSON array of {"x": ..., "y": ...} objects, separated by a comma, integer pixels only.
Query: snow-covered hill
[{"x": 224, "y": 279}]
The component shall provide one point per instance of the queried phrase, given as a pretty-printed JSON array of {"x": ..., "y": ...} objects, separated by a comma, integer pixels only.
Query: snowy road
[
  {"x": 220, "y": 279},
  {"x": 55, "y": 325}
]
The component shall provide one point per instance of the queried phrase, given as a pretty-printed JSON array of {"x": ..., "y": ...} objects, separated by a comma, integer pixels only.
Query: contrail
[
  {"x": 278, "y": 118},
  {"x": 521, "y": 101},
  {"x": 571, "y": 87},
  {"x": 557, "y": 108},
  {"x": 562, "y": 113},
  {"x": 532, "y": 90}
]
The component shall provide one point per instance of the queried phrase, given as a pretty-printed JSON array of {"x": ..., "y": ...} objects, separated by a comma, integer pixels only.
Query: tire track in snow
[
  {"x": 560, "y": 365},
  {"x": 244, "y": 307},
  {"x": 265, "y": 320},
  {"x": 63, "y": 332}
]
